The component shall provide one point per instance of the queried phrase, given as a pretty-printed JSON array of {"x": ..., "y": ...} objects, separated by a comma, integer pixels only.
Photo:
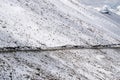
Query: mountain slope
[
  {"x": 55, "y": 23},
  {"x": 96, "y": 3}
]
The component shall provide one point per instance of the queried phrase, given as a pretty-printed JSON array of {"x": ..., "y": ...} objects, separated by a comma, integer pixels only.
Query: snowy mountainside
[
  {"x": 53, "y": 18},
  {"x": 54, "y": 23},
  {"x": 95, "y": 3},
  {"x": 112, "y": 5}
]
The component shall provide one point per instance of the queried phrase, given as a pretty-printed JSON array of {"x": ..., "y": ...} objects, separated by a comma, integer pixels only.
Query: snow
[{"x": 41, "y": 23}]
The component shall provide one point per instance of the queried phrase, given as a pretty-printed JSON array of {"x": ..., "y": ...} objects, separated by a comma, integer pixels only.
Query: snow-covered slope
[
  {"x": 112, "y": 5},
  {"x": 54, "y": 23},
  {"x": 98, "y": 3}
]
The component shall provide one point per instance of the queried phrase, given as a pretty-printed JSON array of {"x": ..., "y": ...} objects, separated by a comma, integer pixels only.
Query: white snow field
[{"x": 41, "y": 23}]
